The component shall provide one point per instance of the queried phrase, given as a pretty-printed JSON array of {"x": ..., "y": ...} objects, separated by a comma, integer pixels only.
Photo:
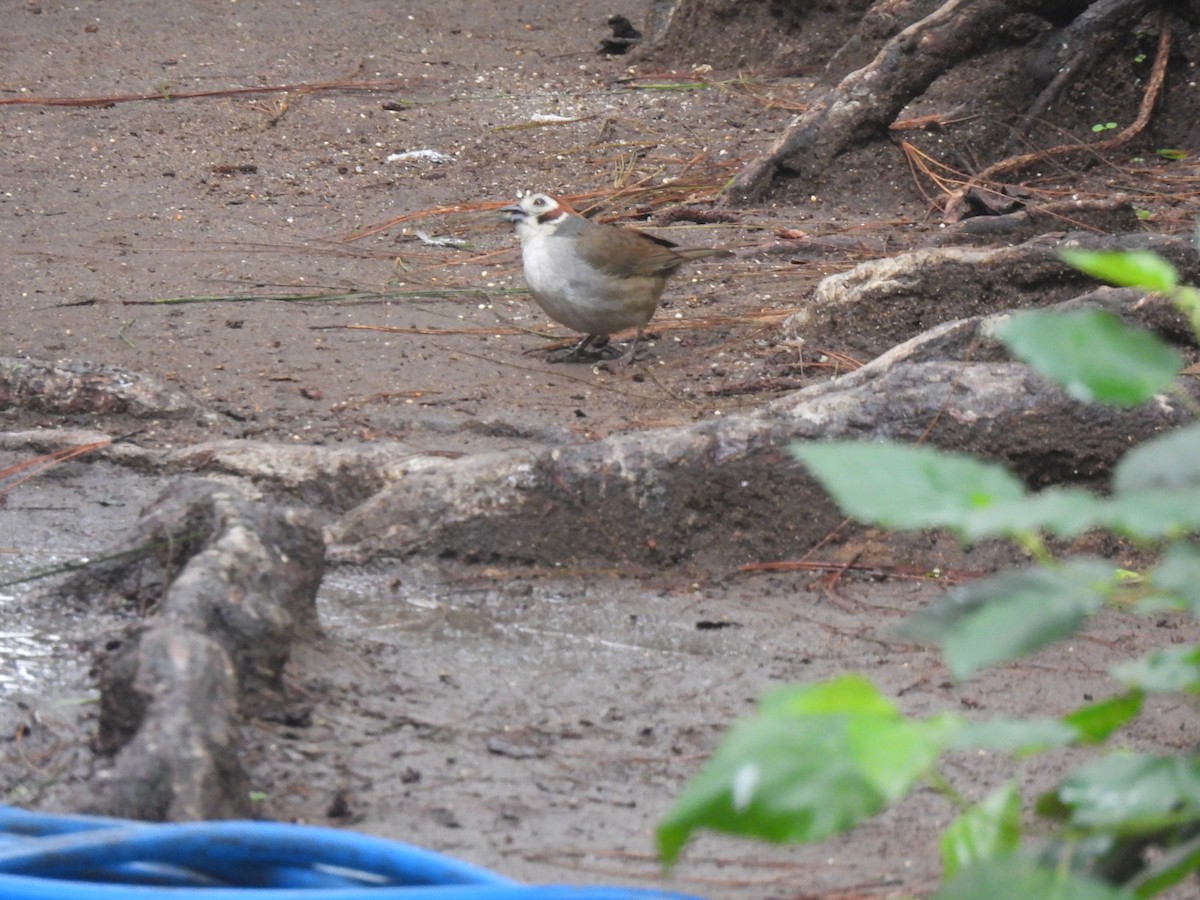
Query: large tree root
[
  {"x": 725, "y": 493},
  {"x": 907, "y": 293},
  {"x": 708, "y": 497},
  {"x": 233, "y": 584},
  {"x": 867, "y": 101},
  {"x": 1075, "y": 48}
]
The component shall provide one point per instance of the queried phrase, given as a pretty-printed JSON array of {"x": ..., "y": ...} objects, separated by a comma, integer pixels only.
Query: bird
[{"x": 591, "y": 277}]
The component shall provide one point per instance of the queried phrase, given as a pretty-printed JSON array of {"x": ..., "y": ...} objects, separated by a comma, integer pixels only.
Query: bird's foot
[{"x": 592, "y": 348}]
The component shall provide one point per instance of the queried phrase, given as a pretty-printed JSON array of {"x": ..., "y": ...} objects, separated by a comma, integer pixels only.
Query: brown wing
[
  {"x": 628, "y": 253},
  {"x": 625, "y": 252}
]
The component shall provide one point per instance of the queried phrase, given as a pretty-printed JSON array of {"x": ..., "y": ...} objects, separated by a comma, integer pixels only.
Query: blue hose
[{"x": 52, "y": 857}]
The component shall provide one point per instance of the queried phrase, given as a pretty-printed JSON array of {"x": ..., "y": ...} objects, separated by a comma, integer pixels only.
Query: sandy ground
[
  {"x": 111, "y": 208},
  {"x": 538, "y": 722}
]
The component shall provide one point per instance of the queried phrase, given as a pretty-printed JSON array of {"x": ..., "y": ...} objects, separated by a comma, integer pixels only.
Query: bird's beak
[{"x": 513, "y": 212}]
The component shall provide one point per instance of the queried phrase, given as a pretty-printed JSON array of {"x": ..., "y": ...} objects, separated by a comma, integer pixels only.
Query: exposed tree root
[
  {"x": 866, "y": 102},
  {"x": 957, "y": 206},
  {"x": 229, "y": 584}
]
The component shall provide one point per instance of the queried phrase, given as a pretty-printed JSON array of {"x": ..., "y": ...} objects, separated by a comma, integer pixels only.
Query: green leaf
[
  {"x": 1133, "y": 792},
  {"x": 1094, "y": 355},
  {"x": 1187, "y": 301},
  {"x": 1009, "y": 615},
  {"x": 848, "y": 694},
  {"x": 1097, "y": 721},
  {"x": 1019, "y": 736},
  {"x": 1176, "y": 578},
  {"x": 1066, "y": 512},
  {"x": 1127, "y": 268},
  {"x": 1163, "y": 672},
  {"x": 987, "y": 830},
  {"x": 806, "y": 767},
  {"x": 906, "y": 487},
  {"x": 1087, "y": 725},
  {"x": 1169, "y": 462},
  {"x": 774, "y": 779},
  {"x": 1152, "y": 514},
  {"x": 1018, "y": 878},
  {"x": 1144, "y": 514},
  {"x": 891, "y": 765}
]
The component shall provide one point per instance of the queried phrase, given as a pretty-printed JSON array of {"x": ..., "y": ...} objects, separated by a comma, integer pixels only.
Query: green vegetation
[{"x": 818, "y": 759}]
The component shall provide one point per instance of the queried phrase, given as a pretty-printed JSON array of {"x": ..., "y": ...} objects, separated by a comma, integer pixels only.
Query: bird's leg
[
  {"x": 633, "y": 350},
  {"x": 580, "y": 347},
  {"x": 576, "y": 352}
]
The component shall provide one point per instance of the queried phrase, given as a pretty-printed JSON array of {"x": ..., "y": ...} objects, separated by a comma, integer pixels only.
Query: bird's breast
[{"x": 576, "y": 294}]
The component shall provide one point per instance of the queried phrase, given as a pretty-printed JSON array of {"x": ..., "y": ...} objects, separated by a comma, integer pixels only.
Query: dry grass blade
[
  {"x": 931, "y": 121},
  {"x": 19, "y": 473},
  {"x": 457, "y": 208},
  {"x": 388, "y": 84},
  {"x": 437, "y": 332},
  {"x": 351, "y": 296},
  {"x": 921, "y": 163}
]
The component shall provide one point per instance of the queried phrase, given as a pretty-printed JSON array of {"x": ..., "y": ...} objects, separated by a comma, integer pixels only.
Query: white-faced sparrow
[{"x": 591, "y": 277}]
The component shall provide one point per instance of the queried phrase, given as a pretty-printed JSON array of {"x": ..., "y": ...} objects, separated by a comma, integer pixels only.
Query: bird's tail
[{"x": 702, "y": 252}]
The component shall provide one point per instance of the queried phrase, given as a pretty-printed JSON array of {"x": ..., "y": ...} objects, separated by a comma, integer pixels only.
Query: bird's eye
[{"x": 539, "y": 201}]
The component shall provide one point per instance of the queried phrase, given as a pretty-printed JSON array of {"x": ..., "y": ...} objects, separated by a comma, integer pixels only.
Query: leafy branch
[{"x": 819, "y": 759}]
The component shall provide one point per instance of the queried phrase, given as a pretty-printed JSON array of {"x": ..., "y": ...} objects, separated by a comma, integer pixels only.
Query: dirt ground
[{"x": 536, "y": 721}]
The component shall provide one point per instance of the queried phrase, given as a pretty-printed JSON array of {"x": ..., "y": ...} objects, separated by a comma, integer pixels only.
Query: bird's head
[{"x": 537, "y": 213}]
